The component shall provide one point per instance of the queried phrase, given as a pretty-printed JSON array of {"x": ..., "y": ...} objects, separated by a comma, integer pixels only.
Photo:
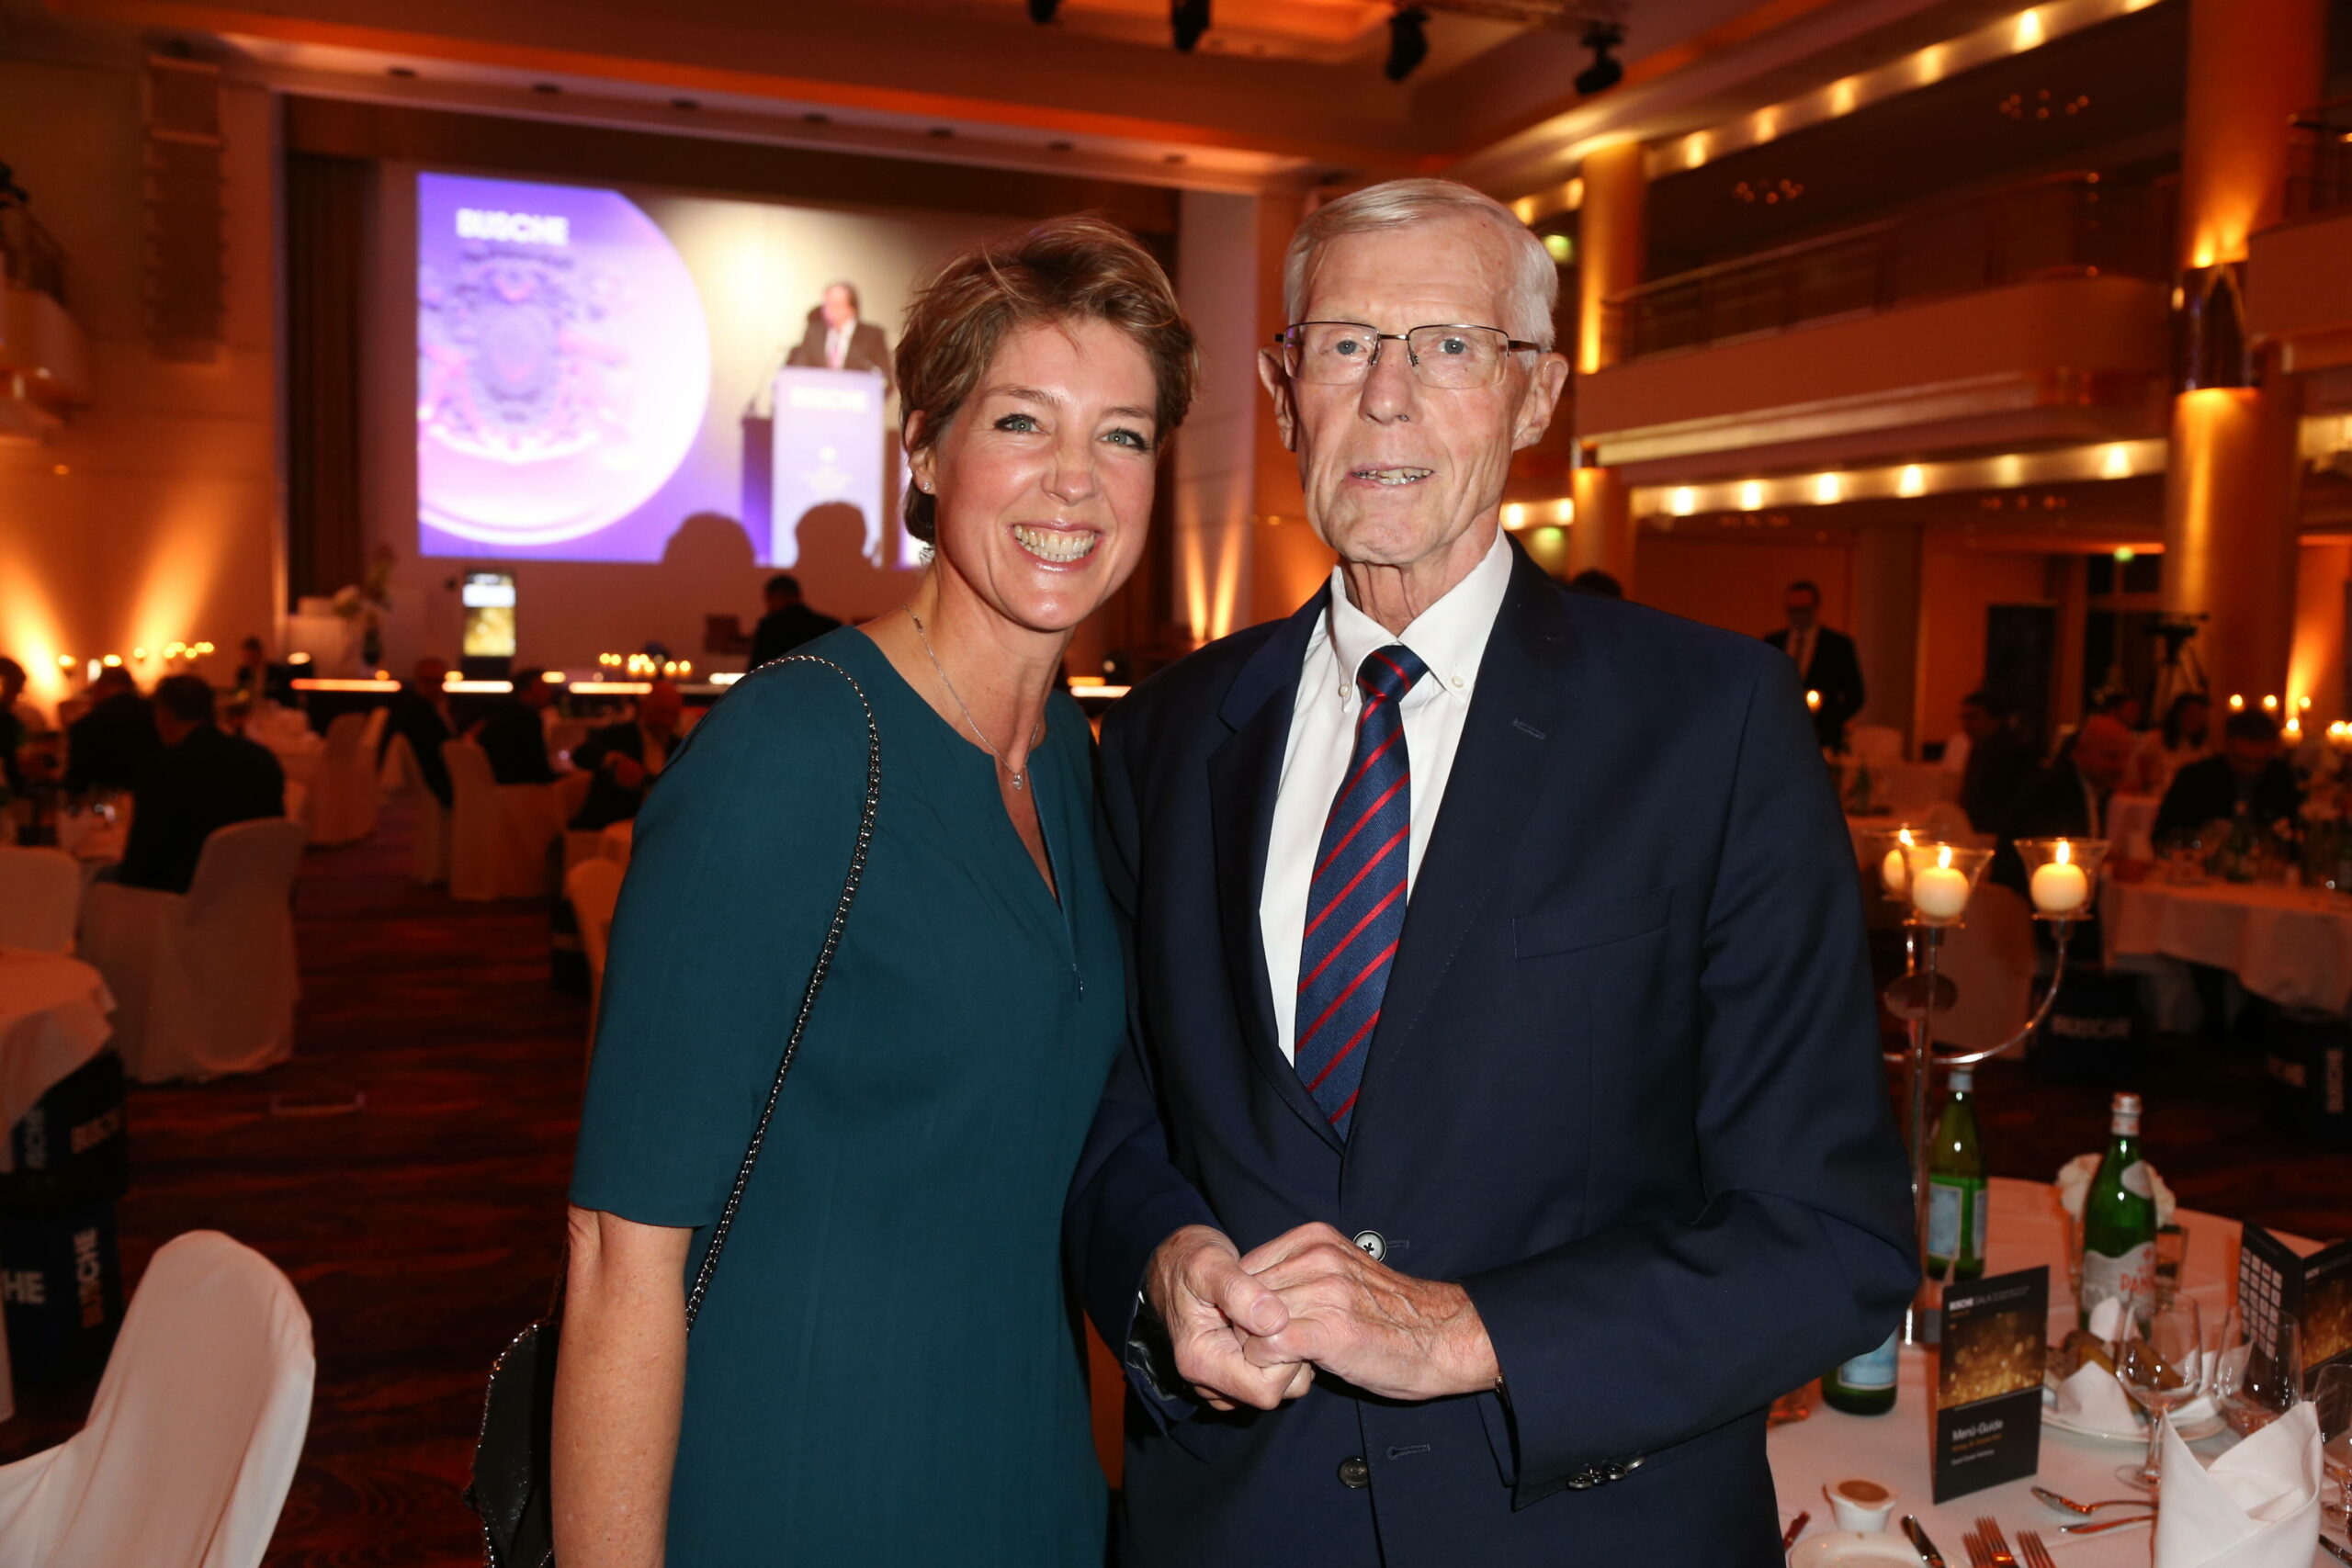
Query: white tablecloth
[
  {"x": 2025, "y": 1228},
  {"x": 52, "y": 1019},
  {"x": 2292, "y": 945}
]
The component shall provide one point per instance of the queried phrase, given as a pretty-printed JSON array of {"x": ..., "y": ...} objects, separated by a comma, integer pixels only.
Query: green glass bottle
[
  {"x": 1957, "y": 1195},
  {"x": 1865, "y": 1385},
  {"x": 2118, "y": 1218}
]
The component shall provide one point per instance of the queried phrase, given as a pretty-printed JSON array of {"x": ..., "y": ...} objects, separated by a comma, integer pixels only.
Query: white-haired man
[{"x": 1501, "y": 1129}]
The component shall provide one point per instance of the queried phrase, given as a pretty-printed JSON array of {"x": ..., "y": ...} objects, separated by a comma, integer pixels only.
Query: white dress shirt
[
  {"x": 1449, "y": 637},
  {"x": 1801, "y": 649},
  {"x": 837, "y": 346}
]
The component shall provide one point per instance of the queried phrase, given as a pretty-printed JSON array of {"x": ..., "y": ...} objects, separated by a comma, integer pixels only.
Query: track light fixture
[
  {"x": 1408, "y": 43},
  {"x": 1604, "y": 73},
  {"x": 1042, "y": 11},
  {"x": 1188, "y": 19}
]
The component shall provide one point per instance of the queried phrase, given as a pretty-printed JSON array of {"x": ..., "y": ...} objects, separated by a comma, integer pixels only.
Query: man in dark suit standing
[
  {"x": 199, "y": 783},
  {"x": 1501, "y": 1128},
  {"x": 1826, "y": 661},
  {"x": 789, "y": 622},
  {"x": 514, "y": 734},
  {"x": 2246, "y": 771},
  {"x": 838, "y": 340},
  {"x": 420, "y": 715},
  {"x": 106, "y": 745},
  {"x": 627, "y": 757}
]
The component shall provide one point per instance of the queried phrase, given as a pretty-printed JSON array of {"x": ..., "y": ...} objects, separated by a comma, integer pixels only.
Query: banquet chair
[
  {"x": 192, "y": 1439},
  {"x": 1991, "y": 959},
  {"x": 204, "y": 981},
  {"x": 41, "y": 897},
  {"x": 594, "y": 889},
  {"x": 430, "y": 862},
  {"x": 342, "y": 803},
  {"x": 499, "y": 834}
]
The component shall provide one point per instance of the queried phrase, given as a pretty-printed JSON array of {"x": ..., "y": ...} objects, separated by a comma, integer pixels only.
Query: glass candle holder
[
  {"x": 1942, "y": 878},
  {"x": 2062, "y": 876},
  {"x": 1887, "y": 848}
]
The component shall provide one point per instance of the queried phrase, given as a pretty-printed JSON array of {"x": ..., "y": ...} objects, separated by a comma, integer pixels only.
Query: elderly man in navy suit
[{"x": 1502, "y": 1127}]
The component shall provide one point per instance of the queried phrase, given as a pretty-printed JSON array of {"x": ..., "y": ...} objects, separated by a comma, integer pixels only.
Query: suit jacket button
[
  {"x": 1354, "y": 1474},
  {"x": 1375, "y": 1245}
]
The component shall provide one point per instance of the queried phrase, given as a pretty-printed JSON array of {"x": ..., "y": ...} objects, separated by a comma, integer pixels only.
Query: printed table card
[{"x": 1988, "y": 1382}]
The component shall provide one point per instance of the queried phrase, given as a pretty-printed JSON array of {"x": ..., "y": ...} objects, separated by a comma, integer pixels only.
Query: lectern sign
[{"x": 827, "y": 465}]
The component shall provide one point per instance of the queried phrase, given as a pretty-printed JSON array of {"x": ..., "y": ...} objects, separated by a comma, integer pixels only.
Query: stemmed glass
[
  {"x": 2256, "y": 1378},
  {"x": 2331, "y": 1394},
  {"x": 2160, "y": 1360}
]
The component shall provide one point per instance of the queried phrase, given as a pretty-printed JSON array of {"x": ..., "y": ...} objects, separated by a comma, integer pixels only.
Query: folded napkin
[
  {"x": 2092, "y": 1398},
  {"x": 2257, "y": 1508}
]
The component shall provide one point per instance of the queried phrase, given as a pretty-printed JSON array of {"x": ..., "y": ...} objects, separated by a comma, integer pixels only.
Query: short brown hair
[{"x": 1081, "y": 268}]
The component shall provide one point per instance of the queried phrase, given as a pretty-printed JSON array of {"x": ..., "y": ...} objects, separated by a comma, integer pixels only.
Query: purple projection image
[{"x": 563, "y": 371}]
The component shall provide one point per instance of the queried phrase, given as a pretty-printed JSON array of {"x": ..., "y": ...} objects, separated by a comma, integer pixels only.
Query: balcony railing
[
  {"x": 29, "y": 258},
  {"x": 2318, "y": 163},
  {"x": 2067, "y": 225}
]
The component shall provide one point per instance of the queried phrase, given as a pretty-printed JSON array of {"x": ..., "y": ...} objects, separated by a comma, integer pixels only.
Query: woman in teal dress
[{"x": 886, "y": 1369}]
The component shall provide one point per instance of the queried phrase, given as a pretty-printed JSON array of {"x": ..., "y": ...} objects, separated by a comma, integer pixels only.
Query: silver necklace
[{"x": 1020, "y": 778}]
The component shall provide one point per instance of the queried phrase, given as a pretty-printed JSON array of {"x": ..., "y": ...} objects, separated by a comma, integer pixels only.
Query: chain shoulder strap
[{"x": 816, "y": 981}]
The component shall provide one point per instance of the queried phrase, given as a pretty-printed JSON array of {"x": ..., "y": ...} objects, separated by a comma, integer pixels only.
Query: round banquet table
[
  {"x": 52, "y": 1019},
  {"x": 2027, "y": 1228},
  {"x": 2292, "y": 945}
]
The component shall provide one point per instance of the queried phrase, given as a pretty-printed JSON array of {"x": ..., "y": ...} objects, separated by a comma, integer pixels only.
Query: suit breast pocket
[{"x": 1590, "y": 923}]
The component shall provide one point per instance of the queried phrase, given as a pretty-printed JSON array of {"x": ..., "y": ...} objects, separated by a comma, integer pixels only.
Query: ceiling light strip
[{"x": 2011, "y": 471}]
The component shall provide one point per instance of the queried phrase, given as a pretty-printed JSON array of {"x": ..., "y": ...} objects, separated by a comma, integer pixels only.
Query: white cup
[{"x": 1861, "y": 1503}]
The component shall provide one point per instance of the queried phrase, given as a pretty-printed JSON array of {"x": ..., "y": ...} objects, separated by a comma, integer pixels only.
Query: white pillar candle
[
  {"x": 1896, "y": 872},
  {"x": 2059, "y": 887},
  {"x": 1939, "y": 892}
]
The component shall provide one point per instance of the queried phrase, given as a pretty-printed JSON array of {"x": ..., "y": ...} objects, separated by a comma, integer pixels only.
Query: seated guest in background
[
  {"x": 420, "y": 713},
  {"x": 15, "y": 728},
  {"x": 106, "y": 745},
  {"x": 1592, "y": 580},
  {"x": 200, "y": 781},
  {"x": 2248, "y": 771},
  {"x": 789, "y": 622},
  {"x": 514, "y": 732},
  {"x": 2185, "y": 737},
  {"x": 258, "y": 680},
  {"x": 1996, "y": 762},
  {"x": 2067, "y": 798},
  {"x": 1825, "y": 660},
  {"x": 628, "y": 756}
]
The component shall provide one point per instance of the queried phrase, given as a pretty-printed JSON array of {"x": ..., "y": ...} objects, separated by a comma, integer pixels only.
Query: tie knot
[{"x": 1387, "y": 673}]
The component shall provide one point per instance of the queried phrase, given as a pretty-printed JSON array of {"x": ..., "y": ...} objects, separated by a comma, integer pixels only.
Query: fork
[
  {"x": 1978, "y": 1555},
  {"x": 1988, "y": 1531},
  {"x": 2037, "y": 1555}
]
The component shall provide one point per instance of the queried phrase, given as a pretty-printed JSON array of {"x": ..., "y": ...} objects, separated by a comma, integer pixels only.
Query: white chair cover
[
  {"x": 1876, "y": 744},
  {"x": 499, "y": 834},
  {"x": 41, "y": 899},
  {"x": 204, "y": 982},
  {"x": 1991, "y": 959},
  {"x": 342, "y": 804},
  {"x": 594, "y": 889},
  {"x": 430, "y": 860},
  {"x": 194, "y": 1435}
]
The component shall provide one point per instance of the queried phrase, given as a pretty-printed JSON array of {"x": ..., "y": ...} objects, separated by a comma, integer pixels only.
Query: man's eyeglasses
[{"x": 1339, "y": 354}]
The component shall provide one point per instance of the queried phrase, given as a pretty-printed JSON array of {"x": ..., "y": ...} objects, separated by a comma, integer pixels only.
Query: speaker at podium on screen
[{"x": 823, "y": 446}]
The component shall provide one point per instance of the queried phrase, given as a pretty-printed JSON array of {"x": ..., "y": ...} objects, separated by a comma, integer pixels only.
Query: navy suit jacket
[{"x": 1626, "y": 1088}]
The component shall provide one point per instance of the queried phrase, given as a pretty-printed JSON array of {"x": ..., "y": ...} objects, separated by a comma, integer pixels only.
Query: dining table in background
[
  {"x": 2027, "y": 1228},
  {"x": 2289, "y": 945}
]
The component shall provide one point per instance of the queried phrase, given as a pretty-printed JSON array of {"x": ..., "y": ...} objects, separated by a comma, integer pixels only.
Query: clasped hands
[{"x": 1253, "y": 1330}]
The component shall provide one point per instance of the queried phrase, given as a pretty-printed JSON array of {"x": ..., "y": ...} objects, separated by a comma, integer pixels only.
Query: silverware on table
[
  {"x": 2067, "y": 1504},
  {"x": 1796, "y": 1528},
  {"x": 1988, "y": 1531},
  {"x": 2335, "y": 1551},
  {"x": 1921, "y": 1543},
  {"x": 1979, "y": 1555},
  {"x": 2093, "y": 1527},
  {"x": 2037, "y": 1554}
]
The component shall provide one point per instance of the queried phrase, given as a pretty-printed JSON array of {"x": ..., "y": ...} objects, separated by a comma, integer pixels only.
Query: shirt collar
[{"x": 1449, "y": 637}]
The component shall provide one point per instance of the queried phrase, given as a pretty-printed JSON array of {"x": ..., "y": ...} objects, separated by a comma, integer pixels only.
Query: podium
[{"x": 821, "y": 443}]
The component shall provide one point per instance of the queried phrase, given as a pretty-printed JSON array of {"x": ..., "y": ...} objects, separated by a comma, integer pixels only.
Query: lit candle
[
  {"x": 1813, "y": 701},
  {"x": 2059, "y": 887},
  {"x": 1939, "y": 892},
  {"x": 1894, "y": 870}
]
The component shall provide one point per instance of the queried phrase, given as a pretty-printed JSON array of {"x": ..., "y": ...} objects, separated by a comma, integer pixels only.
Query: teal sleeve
[{"x": 737, "y": 865}]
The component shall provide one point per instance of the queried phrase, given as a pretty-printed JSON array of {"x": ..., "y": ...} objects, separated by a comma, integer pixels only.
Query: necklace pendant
[{"x": 1019, "y": 782}]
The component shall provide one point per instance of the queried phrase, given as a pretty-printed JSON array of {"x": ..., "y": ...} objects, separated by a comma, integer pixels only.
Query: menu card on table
[
  {"x": 2275, "y": 1287},
  {"x": 1988, "y": 1382}
]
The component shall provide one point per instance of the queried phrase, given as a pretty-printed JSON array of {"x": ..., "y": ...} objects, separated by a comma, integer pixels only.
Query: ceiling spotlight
[
  {"x": 1188, "y": 19},
  {"x": 1042, "y": 11},
  {"x": 1603, "y": 73},
  {"x": 1408, "y": 43}
]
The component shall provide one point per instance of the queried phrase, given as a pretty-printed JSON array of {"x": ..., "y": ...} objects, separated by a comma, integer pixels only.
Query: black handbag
[{"x": 509, "y": 1489}]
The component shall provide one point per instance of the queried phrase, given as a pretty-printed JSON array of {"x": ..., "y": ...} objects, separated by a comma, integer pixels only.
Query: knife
[
  {"x": 1796, "y": 1528},
  {"x": 1928, "y": 1553},
  {"x": 2335, "y": 1551}
]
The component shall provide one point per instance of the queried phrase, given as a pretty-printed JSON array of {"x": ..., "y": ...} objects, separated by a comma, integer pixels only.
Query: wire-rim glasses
[{"x": 1457, "y": 357}]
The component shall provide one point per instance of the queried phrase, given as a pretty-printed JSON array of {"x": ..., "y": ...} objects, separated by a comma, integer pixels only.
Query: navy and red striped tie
[{"x": 1355, "y": 904}]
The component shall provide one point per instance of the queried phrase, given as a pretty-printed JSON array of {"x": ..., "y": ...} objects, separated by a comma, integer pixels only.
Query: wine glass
[
  {"x": 2331, "y": 1393},
  {"x": 2256, "y": 1377},
  {"x": 2160, "y": 1360}
]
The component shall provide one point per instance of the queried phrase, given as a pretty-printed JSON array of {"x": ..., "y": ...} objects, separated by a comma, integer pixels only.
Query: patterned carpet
[{"x": 407, "y": 1167}]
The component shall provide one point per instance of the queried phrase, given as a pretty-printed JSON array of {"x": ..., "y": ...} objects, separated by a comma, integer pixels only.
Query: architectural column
[
  {"x": 1610, "y": 239},
  {"x": 1886, "y": 626},
  {"x": 2230, "y": 487}
]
